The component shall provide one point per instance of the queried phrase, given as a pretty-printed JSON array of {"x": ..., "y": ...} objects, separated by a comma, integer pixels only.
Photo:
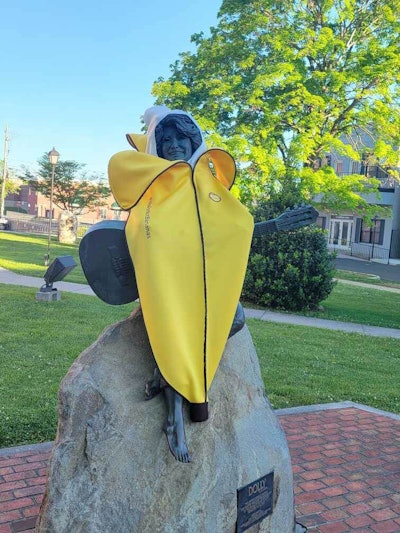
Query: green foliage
[
  {"x": 291, "y": 270},
  {"x": 73, "y": 190},
  {"x": 283, "y": 83},
  {"x": 17, "y": 210},
  {"x": 12, "y": 184}
]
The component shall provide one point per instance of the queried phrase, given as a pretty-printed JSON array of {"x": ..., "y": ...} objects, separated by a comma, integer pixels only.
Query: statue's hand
[
  {"x": 296, "y": 217},
  {"x": 289, "y": 220}
]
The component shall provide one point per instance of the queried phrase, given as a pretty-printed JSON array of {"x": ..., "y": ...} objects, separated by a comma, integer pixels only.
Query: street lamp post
[{"x": 53, "y": 158}]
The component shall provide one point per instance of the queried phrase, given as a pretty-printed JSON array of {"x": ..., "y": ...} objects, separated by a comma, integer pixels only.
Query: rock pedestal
[{"x": 111, "y": 469}]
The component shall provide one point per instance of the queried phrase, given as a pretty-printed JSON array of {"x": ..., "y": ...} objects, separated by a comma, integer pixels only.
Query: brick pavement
[
  {"x": 22, "y": 482},
  {"x": 346, "y": 465}
]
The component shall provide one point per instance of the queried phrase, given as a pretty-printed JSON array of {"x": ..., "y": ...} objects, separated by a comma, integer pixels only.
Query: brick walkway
[
  {"x": 22, "y": 483},
  {"x": 346, "y": 465}
]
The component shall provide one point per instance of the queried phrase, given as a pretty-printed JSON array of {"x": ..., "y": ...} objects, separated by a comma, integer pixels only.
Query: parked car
[{"x": 4, "y": 223}]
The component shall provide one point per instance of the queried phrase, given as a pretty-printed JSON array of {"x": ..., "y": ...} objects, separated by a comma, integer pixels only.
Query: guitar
[{"x": 108, "y": 267}]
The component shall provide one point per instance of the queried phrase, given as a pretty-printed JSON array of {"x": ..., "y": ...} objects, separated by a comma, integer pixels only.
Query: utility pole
[{"x": 3, "y": 185}]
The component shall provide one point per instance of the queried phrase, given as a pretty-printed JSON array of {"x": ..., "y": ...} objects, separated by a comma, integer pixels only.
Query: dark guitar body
[{"x": 106, "y": 262}]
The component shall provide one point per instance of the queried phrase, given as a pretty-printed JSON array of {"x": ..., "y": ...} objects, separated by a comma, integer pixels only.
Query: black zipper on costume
[
  {"x": 204, "y": 270},
  {"x": 205, "y": 288}
]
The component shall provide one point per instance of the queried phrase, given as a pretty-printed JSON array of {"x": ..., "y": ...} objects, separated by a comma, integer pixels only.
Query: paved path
[
  {"x": 8, "y": 277},
  {"x": 386, "y": 272},
  {"x": 300, "y": 320}
]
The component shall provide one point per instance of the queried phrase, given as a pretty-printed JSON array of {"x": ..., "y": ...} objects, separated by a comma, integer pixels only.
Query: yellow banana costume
[{"x": 189, "y": 240}]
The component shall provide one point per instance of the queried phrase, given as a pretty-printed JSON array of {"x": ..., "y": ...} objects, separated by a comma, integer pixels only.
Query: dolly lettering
[
  {"x": 147, "y": 219},
  {"x": 257, "y": 487}
]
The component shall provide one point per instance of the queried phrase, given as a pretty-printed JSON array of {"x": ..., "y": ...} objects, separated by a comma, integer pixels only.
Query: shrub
[{"x": 290, "y": 270}]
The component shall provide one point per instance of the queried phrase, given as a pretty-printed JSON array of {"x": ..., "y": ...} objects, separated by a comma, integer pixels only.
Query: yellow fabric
[
  {"x": 189, "y": 239},
  {"x": 138, "y": 141}
]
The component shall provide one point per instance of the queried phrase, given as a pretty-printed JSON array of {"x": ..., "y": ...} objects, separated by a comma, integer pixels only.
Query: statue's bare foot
[
  {"x": 174, "y": 428},
  {"x": 177, "y": 447}
]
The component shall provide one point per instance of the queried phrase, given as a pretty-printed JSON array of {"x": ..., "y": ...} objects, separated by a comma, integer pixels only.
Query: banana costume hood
[{"x": 189, "y": 239}]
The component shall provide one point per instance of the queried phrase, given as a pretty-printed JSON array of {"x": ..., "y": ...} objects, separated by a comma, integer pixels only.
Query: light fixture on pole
[{"x": 53, "y": 158}]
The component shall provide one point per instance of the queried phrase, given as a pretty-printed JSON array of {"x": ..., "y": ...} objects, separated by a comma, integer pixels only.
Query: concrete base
[{"x": 50, "y": 296}]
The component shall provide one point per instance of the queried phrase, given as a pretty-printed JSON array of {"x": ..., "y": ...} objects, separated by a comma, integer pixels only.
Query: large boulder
[{"x": 111, "y": 469}]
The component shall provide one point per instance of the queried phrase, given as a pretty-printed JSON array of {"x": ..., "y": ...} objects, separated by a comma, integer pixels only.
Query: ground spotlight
[{"x": 58, "y": 269}]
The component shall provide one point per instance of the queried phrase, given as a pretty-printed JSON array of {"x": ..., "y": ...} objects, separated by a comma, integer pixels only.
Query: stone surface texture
[
  {"x": 111, "y": 469},
  {"x": 67, "y": 227}
]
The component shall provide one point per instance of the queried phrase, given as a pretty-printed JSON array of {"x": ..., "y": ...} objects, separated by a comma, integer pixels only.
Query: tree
[
  {"x": 73, "y": 190},
  {"x": 283, "y": 83},
  {"x": 12, "y": 183}
]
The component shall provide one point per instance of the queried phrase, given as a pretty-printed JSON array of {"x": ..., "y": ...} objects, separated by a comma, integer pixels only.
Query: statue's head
[
  {"x": 177, "y": 137},
  {"x": 172, "y": 134}
]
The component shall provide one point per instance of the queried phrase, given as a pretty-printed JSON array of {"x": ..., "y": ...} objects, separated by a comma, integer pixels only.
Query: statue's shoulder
[{"x": 222, "y": 164}]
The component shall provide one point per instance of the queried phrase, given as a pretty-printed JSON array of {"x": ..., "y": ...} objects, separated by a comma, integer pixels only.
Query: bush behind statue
[{"x": 289, "y": 270}]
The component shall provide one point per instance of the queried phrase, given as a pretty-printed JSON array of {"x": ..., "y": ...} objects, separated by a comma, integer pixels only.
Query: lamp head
[
  {"x": 53, "y": 156},
  {"x": 58, "y": 269}
]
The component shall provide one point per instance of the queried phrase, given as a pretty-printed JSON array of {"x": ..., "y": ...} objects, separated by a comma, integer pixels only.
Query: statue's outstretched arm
[{"x": 289, "y": 220}]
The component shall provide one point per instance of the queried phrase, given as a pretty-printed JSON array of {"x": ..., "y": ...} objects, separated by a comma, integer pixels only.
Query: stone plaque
[{"x": 254, "y": 502}]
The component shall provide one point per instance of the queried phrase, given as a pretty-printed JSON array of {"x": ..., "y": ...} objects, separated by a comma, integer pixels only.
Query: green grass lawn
[
  {"x": 365, "y": 278},
  {"x": 304, "y": 366},
  {"x": 38, "y": 343},
  {"x": 300, "y": 365},
  {"x": 24, "y": 254},
  {"x": 361, "y": 305}
]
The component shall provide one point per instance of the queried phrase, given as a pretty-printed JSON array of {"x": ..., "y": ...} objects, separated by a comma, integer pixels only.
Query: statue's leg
[
  {"x": 238, "y": 320},
  {"x": 154, "y": 386},
  {"x": 174, "y": 426}
]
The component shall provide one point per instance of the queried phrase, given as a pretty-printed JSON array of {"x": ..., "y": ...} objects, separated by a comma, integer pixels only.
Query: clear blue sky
[{"x": 77, "y": 75}]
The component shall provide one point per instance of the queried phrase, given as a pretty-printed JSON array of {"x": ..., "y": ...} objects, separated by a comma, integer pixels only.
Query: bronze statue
[{"x": 184, "y": 222}]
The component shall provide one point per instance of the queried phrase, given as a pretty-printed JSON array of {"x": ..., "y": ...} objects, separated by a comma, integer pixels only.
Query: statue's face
[{"x": 175, "y": 145}]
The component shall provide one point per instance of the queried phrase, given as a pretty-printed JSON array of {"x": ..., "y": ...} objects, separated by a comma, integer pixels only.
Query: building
[
  {"x": 29, "y": 202},
  {"x": 347, "y": 232}
]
